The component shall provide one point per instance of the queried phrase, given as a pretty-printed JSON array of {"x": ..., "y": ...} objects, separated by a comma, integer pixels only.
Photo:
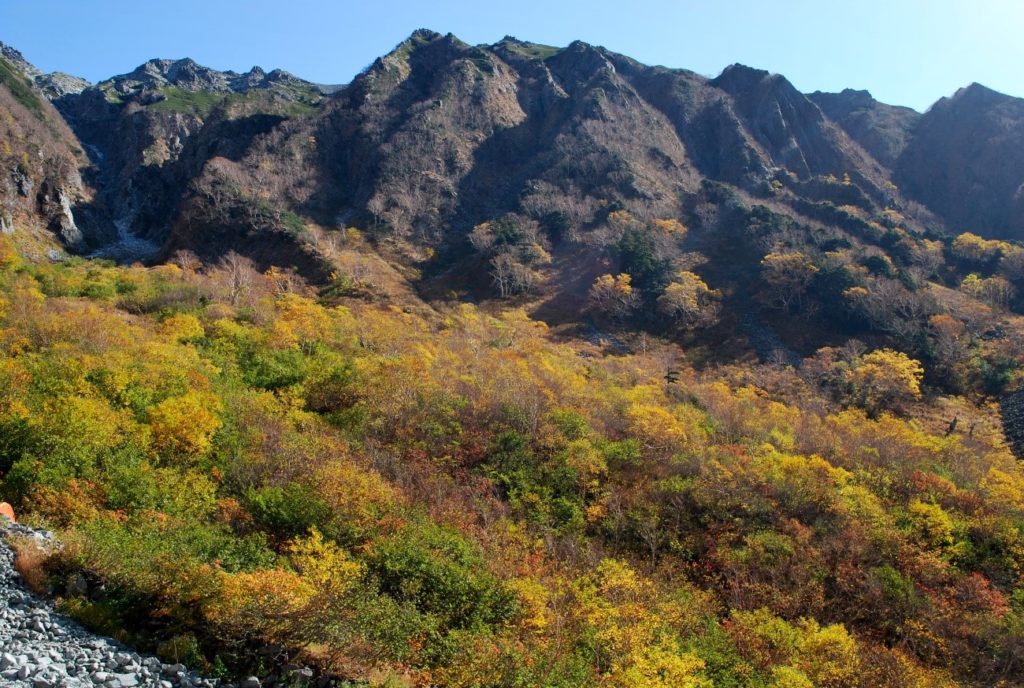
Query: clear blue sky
[{"x": 908, "y": 52}]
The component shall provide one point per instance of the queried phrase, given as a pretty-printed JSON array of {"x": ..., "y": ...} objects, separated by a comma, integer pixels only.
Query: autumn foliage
[{"x": 459, "y": 498}]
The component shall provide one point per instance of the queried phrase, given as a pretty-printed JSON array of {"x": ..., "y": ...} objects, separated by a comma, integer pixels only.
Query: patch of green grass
[
  {"x": 293, "y": 223},
  {"x": 202, "y": 103},
  {"x": 533, "y": 51},
  {"x": 179, "y": 100},
  {"x": 21, "y": 89}
]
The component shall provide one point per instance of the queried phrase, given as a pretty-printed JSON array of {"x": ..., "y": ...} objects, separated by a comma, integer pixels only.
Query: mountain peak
[
  {"x": 857, "y": 95},
  {"x": 53, "y": 85},
  {"x": 980, "y": 94},
  {"x": 742, "y": 81},
  {"x": 739, "y": 79},
  {"x": 512, "y": 46},
  {"x": 188, "y": 75},
  {"x": 14, "y": 56},
  {"x": 583, "y": 47},
  {"x": 741, "y": 75},
  {"x": 424, "y": 36}
]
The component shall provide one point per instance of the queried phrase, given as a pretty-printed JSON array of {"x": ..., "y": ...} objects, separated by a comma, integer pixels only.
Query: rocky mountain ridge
[
  {"x": 190, "y": 76},
  {"x": 53, "y": 85},
  {"x": 438, "y": 136}
]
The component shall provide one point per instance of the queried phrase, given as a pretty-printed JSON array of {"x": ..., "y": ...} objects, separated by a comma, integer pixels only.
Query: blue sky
[{"x": 907, "y": 52}]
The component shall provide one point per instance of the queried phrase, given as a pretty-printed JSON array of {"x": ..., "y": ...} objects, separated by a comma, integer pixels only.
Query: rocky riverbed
[{"x": 41, "y": 648}]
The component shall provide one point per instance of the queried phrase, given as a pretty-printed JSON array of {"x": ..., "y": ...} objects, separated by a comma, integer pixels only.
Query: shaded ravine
[{"x": 127, "y": 248}]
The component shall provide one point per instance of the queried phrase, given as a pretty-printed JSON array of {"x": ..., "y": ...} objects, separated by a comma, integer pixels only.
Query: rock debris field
[{"x": 40, "y": 648}]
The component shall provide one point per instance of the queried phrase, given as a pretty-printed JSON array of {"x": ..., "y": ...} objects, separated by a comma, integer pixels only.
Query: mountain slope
[
  {"x": 439, "y": 136},
  {"x": 512, "y": 365},
  {"x": 966, "y": 162}
]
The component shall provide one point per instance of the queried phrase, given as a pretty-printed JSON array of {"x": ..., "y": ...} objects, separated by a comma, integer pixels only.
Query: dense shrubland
[{"x": 241, "y": 470}]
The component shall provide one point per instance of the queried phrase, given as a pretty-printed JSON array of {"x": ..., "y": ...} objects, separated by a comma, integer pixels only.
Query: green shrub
[
  {"x": 288, "y": 511},
  {"x": 441, "y": 574}
]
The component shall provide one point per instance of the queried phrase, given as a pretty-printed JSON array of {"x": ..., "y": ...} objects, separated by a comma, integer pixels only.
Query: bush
[
  {"x": 440, "y": 573},
  {"x": 274, "y": 369},
  {"x": 288, "y": 511}
]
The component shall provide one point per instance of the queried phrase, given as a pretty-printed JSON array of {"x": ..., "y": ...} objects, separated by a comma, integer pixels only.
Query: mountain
[
  {"x": 149, "y": 132},
  {"x": 52, "y": 85},
  {"x": 439, "y": 136},
  {"x": 966, "y": 162},
  {"x": 43, "y": 163},
  {"x": 509, "y": 365},
  {"x": 564, "y": 152},
  {"x": 882, "y": 130}
]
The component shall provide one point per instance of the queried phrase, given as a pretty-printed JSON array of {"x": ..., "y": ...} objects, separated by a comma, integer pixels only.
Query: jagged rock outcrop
[
  {"x": 188, "y": 75},
  {"x": 882, "y": 130}
]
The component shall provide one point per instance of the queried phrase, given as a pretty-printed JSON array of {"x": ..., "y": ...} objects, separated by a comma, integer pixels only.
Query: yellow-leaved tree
[
  {"x": 183, "y": 426},
  {"x": 689, "y": 301},
  {"x": 614, "y": 295},
  {"x": 788, "y": 275},
  {"x": 885, "y": 379}
]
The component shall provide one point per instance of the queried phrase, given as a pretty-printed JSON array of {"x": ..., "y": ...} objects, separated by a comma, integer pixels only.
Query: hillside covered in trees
[{"x": 517, "y": 366}]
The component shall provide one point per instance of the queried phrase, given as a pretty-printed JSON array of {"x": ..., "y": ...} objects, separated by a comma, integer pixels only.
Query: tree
[
  {"x": 238, "y": 276},
  {"x": 184, "y": 426},
  {"x": 884, "y": 379},
  {"x": 511, "y": 276},
  {"x": 661, "y": 665},
  {"x": 614, "y": 295},
  {"x": 951, "y": 348},
  {"x": 928, "y": 256},
  {"x": 641, "y": 257},
  {"x": 377, "y": 205},
  {"x": 1011, "y": 265},
  {"x": 187, "y": 261},
  {"x": 932, "y": 526},
  {"x": 996, "y": 290},
  {"x": 788, "y": 276},
  {"x": 974, "y": 249},
  {"x": 689, "y": 302},
  {"x": 891, "y": 307},
  {"x": 671, "y": 227}
]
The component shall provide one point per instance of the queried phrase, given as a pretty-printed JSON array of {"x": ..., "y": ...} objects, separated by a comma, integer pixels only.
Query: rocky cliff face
[
  {"x": 42, "y": 164},
  {"x": 150, "y": 131},
  {"x": 439, "y": 135}
]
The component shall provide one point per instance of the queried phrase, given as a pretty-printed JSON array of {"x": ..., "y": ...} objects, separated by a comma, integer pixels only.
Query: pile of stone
[{"x": 40, "y": 648}]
